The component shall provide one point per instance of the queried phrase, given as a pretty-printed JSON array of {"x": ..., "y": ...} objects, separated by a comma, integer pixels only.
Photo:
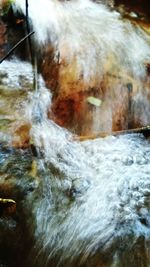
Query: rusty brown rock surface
[
  {"x": 3, "y": 38},
  {"x": 70, "y": 92},
  {"x": 70, "y": 107}
]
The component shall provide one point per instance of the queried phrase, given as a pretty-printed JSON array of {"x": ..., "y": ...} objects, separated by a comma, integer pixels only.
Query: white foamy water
[
  {"x": 109, "y": 180},
  {"x": 89, "y": 33},
  {"x": 17, "y": 74},
  {"x": 14, "y": 71},
  {"x": 93, "y": 42}
]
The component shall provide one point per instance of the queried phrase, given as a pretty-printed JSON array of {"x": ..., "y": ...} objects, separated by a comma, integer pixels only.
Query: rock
[
  {"x": 3, "y": 38},
  {"x": 72, "y": 93},
  {"x": 21, "y": 137},
  {"x": 141, "y": 7}
]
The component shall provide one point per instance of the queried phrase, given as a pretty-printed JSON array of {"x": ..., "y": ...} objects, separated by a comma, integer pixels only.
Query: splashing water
[
  {"x": 90, "y": 33},
  {"x": 94, "y": 45},
  {"x": 107, "y": 179}
]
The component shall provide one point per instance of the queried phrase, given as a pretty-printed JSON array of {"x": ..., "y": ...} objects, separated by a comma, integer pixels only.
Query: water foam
[
  {"x": 90, "y": 34},
  {"x": 113, "y": 205},
  {"x": 108, "y": 181},
  {"x": 95, "y": 194}
]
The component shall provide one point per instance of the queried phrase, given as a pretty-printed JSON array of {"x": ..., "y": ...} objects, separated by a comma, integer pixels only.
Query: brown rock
[
  {"x": 70, "y": 92},
  {"x": 3, "y": 38},
  {"x": 21, "y": 137}
]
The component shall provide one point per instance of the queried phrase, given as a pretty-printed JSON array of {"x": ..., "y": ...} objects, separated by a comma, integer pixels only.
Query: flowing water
[
  {"x": 91, "y": 200},
  {"x": 90, "y": 33},
  {"x": 95, "y": 51},
  {"x": 79, "y": 203}
]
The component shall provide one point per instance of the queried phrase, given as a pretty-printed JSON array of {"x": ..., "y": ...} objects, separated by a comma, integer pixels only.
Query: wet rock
[
  {"x": 12, "y": 31},
  {"x": 3, "y": 38},
  {"x": 142, "y": 7},
  {"x": 70, "y": 108},
  {"x": 70, "y": 90},
  {"x": 21, "y": 137}
]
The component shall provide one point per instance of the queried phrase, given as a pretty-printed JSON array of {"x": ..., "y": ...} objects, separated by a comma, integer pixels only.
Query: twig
[
  {"x": 144, "y": 130},
  {"x": 32, "y": 53},
  {"x": 28, "y": 31},
  {"x": 15, "y": 46}
]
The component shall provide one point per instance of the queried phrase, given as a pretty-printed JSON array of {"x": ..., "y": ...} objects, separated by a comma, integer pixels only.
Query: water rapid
[
  {"x": 81, "y": 204},
  {"x": 89, "y": 33},
  {"x": 105, "y": 58},
  {"x": 92, "y": 199},
  {"x": 108, "y": 182}
]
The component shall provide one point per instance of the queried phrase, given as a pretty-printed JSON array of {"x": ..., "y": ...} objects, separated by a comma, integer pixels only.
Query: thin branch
[
  {"x": 15, "y": 46},
  {"x": 28, "y": 31},
  {"x": 32, "y": 52},
  {"x": 143, "y": 130}
]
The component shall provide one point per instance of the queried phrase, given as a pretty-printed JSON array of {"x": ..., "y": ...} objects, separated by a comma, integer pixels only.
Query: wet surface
[{"x": 77, "y": 204}]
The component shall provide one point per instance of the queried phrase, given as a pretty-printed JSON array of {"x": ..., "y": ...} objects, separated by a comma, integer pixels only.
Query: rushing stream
[{"x": 84, "y": 203}]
